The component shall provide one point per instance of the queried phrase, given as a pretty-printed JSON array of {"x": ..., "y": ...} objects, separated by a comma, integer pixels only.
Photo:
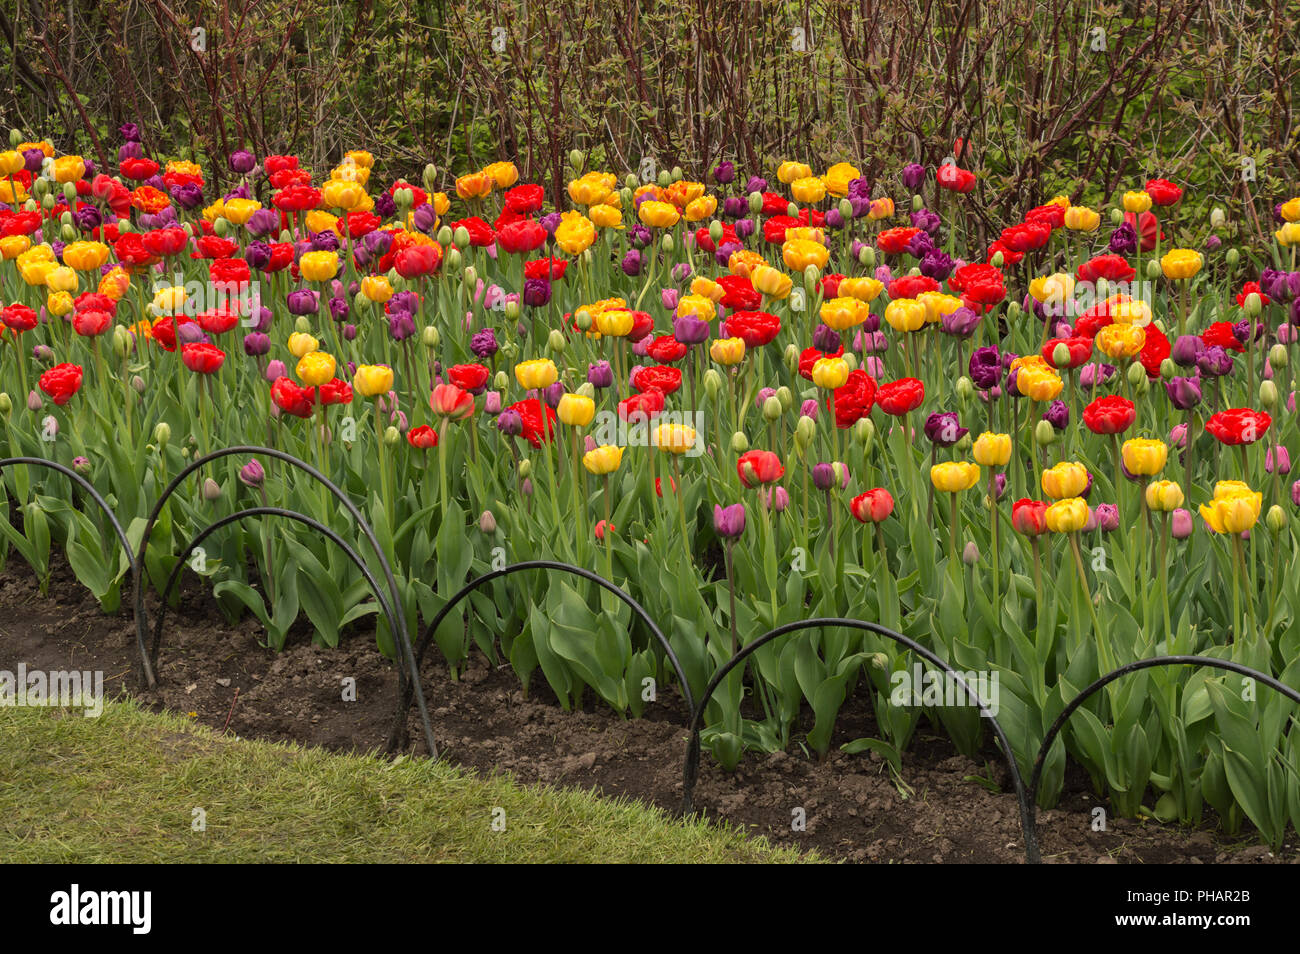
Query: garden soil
[{"x": 945, "y": 808}]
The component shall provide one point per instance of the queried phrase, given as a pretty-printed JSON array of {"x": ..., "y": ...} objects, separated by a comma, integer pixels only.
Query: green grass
[{"x": 123, "y": 788}]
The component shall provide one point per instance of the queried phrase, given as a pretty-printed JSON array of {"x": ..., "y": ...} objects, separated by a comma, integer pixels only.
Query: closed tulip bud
[
  {"x": 739, "y": 442},
  {"x": 712, "y": 383},
  {"x": 302, "y": 326},
  {"x": 1153, "y": 269},
  {"x": 1232, "y": 257},
  {"x": 811, "y": 275},
  {"x": 137, "y": 384},
  {"x": 525, "y": 468},
  {"x": 1135, "y": 372},
  {"x": 864, "y": 432},
  {"x": 123, "y": 341},
  {"x": 804, "y": 432},
  {"x": 823, "y": 476},
  {"x": 867, "y": 256},
  {"x": 454, "y": 259},
  {"x": 1180, "y": 524},
  {"x": 1253, "y": 305},
  {"x": 965, "y": 388},
  {"x": 786, "y": 397},
  {"x": 846, "y": 209},
  {"x": 15, "y": 138},
  {"x": 1044, "y": 434},
  {"x": 772, "y": 409},
  {"x": 1217, "y": 218},
  {"x": 69, "y": 234},
  {"x": 715, "y": 231},
  {"x": 511, "y": 310},
  {"x": 1276, "y": 519},
  {"x": 970, "y": 553},
  {"x": 1278, "y": 458},
  {"x": 162, "y": 433},
  {"x": 1277, "y": 356},
  {"x": 460, "y": 235},
  {"x": 48, "y": 203},
  {"x": 666, "y": 243},
  {"x": 430, "y": 337},
  {"x": 755, "y": 203},
  {"x": 1168, "y": 369},
  {"x": 791, "y": 357},
  {"x": 487, "y": 523},
  {"x": 6, "y": 403},
  {"x": 444, "y": 239},
  {"x": 211, "y": 489},
  {"x": 430, "y": 176},
  {"x": 555, "y": 341},
  {"x": 1268, "y": 394}
]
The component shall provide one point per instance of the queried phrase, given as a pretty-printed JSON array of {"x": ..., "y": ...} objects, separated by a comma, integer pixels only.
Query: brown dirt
[{"x": 224, "y": 677}]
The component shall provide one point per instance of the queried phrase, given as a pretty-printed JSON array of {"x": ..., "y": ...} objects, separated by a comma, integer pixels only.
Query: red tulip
[
  {"x": 873, "y": 506},
  {"x": 894, "y": 241},
  {"x": 739, "y": 293},
  {"x": 335, "y": 391},
  {"x": 525, "y": 199},
  {"x": 1238, "y": 425},
  {"x": 1154, "y": 351},
  {"x": 423, "y": 437},
  {"x": 1029, "y": 517},
  {"x": 1163, "y": 192},
  {"x": 899, "y": 397},
  {"x": 18, "y": 317},
  {"x": 647, "y": 405},
  {"x": 912, "y": 286},
  {"x": 295, "y": 198},
  {"x": 949, "y": 177},
  {"x": 666, "y": 349},
  {"x": 1111, "y": 414},
  {"x": 521, "y": 237},
  {"x": 217, "y": 321},
  {"x": 855, "y": 400},
  {"x": 759, "y": 467},
  {"x": 165, "y": 242},
  {"x": 1220, "y": 333},
  {"x": 202, "y": 358},
  {"x": 61, "y": 382},
  {"x": 214, "y": 246},
  {"x": 538, "y": 420},
  {"x": 90, "y": 322},
  {"x": 1080, "y": 349},
  {"x": 1113, "y": 268},
  {"x": 451, "y": 402},
  {"x": 414, "y": 261},
  {"x": 551, "y": 269},
  {"x": 1052, "y": 215},
  {"x": 468, "y": 377},
  {"x": 657, "y": 377},
  {"x": 292, "y": 398},
  {"x": 757, "y": 328}
]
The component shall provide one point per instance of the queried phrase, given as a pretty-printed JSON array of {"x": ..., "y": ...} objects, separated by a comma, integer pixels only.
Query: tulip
[
  {"x": 372, "y": 380},
  {"x": 1069, "y": 515},
  {"x": 315, "y": 368},
  {"x": 954, "y": 476},
  {"x": 252, "y": 474},
  {"x": 1065, "y": 480},
  {"x": 729, "y": 522},
  {"x": 1144, "y": 458}
]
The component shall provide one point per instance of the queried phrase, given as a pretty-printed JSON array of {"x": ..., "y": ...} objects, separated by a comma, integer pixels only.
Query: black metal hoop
[
  {"x": 1208, "y": 661},
  {"x": 132, "y": 563},
  {"x": 690, "y": 769},
  {"x": 399, "y": 720},
  {"x": 395, "y": 596}
]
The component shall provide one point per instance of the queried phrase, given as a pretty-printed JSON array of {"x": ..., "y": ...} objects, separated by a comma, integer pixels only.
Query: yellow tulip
[
  {"x": 115, "y": 283},
  {"x": 11, "y": 246},
  {"x": 605, "y": 216},
  {"x": 830, "y": 373},
  {"x": 881, "y": 208},
  {"x": 808, "y": 190},
  {"x": 700, "y": 209},
  {"x": 575, "y": 410},
  {"x": 844, "y": 313},
  {"x": 674, "y": 438},
  {"x": 771, "y": 282},
  {"x": 744, "y": 261},
  {"x": 1067, "y": 516},
  {"x": 1290, "y": 210},
  {"x": 376, "y": 288},
  {"x": 697, "y": 305},
  {"x": 592, "y": 188},
  {"x": 1082, "y": 219},
  {"x": 605, "y": 459},
  {"x": 239, "y": 211},
  {"x": 1164, "y": 496},
  {"x": 69, "y": 168},
  {"x": 1233, "y": 512},
  {"x": 706, "y": 288},
  {"x": 371, "y": 380},
  {"x": 1129, "y": 311},
  {"x": 1181, "y": 263},
  {"x": 660, "y": 215},
  {"x": 59, "y": 303},
  {"x": 954, "y": 476},
  {"x": 863, "y": 289},
  {"x": 476, "y": 185},
  {"x": 85, "y": 256},
  {"x": 937, "y": 304},
  {"x": 801, "y": 253},
  {"x": 1055, "y": 289},
  {"x": 11, "y": 161},
  {"x": 576, "y": 233},
  {"x": 1039, "y": 383},
  {"x": 1143, "y": 457},
  {"x": 169, "y": 300},
  {"x": 838, "y": 177},
  {"x": 788, "y": 172},
  {"x": 1120, "y": 341},
  {"x": 302, "y": 344},
  {"x": 1066, "y": 479},
  {"x": 360, "y": 157},
  {"x": 727, "y": 351},
  {"x": 62, "y": 279},
  {"x": 615, "y": 322},
  {"x": 340, "y": 194},
  {"x": 1288, "y": 234},
  {"x": 319, "y": 266},
  {"x": 905, "y": 314},
  {"x": 992, "y": 450},
  {"x": 1136, "y": 202},
  {"x": 536, "y": 374},
  {"x": 504, "y": 174},
  {"x": 316, "y": 368}
]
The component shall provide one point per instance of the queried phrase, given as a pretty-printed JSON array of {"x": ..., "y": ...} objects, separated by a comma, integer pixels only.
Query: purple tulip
[
  {"x": 1278, "y": 457},
  {"x": 823, "y": 476},
  {"x": 913, "y": 176},
  {"x": 510, "y": 423},
  {"x": 1058, "y": 415},
  {"x": 252, "y": 474},
  {"x": 724, "y": 173},
  {"x": 1184, "y": 393},
  {"x": 600, "y": 375},
  {"x": 275, "y": 370},
  {"x": 400, "y": 325},
  {"x": 690, "y": 330},
  {"x": 1123, "y": 241},
  {"x": 242, "y": 161},
  {"x": 944, "y": 429},
  {"x": 1107, "y": 517},
  {"x": 960, "y": 322},
  {"x": 303, "y": 301},
  {"x": 537, "y": 292},
  {"x": 729, "y": 522},
  {"x": 1214, "y": 362},
  {"x": 256, "y": 344},
  {"x": 1180, "y": 523},
  {"x": 631, "y": 263},
  {"x": 1186, "y": 349},
  {"x": 985, "y": 367}
]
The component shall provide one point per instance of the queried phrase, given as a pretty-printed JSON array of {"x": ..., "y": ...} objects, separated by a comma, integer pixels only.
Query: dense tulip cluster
[{"x": 1043, "y": 457}]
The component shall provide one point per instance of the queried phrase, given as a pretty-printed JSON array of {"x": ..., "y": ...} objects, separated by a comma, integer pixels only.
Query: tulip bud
[
  {"x": 162, "y": 433},
  {"x": 772, "y": 409},
  {"x": 1116, "y": 216},
  {"x": 555, "y": 341},
  {"x": 302, "y": 325},
  {"x": 221, "y": 227},
  {"x": 34, "y": 402},
  {"x": 211, "y": 489},
  {"x": 1268, "y": 394},
  {"x": 392, "y": 436},
  {"x": 917, "y": 203},
  {"x": 1253, "y": 305},
  {"x": 786, "y": 397},
  {"x": 470, "y": 276},
  {"x": 1135, "y": 373},
  {"x": 965, "y": 388},
  {"x": 811, "y": 275},
  {"x": 1168, "y": 369},
  {"x": 430, "y": 337},
  {"x": 1013, "y": 308},
  {"x": 6, "y": 403},
  {"x": 1044, "y": 434},
  {"x": 864, "y": 432},
  {"x": 70, "y": 192},
  {"x": 805, "y": 431},
  {"x": 1277, "y": 356},
  {"x": 137, "y": 384},
  {"x": 1217, "y": 218},
  {"x": 525, "y": 468},
  {"x": 715, "y": 230},
  {"x": 454, "y": 259},
  {"x": 444, "y": 235},
  {"x": 791, "y": 358},
  {"x": 1276, "y": 519},
  {"x": 964, "y": 443},
  {"x": 501, "y": 381},
  {"x": 970, "y": 553},
  {"x": 712, "y": 383},
  {"x": 1060, "y": 355},
  {"x": 664, "y": 179},
  {"x": 460, "y": 235},
  {"x": 867, "y": 256},
  {"x": 666, "y": 243},
  {"x": 677, "y": 173},
  {"x": 739, "y": 442},
  {"x": 1233, "y": 257},
  {"x": 582, "y": 320},
  {"x": 15, "y": 138},
  {"x": 997, "y": 259},
  {"x": 755, "y": 203},
  {"x": 48, "y": 203},
  {"x": 487, "y": 523}
]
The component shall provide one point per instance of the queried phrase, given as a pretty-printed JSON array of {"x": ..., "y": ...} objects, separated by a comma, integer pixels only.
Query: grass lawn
[{"x": 124, "y": 788}]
